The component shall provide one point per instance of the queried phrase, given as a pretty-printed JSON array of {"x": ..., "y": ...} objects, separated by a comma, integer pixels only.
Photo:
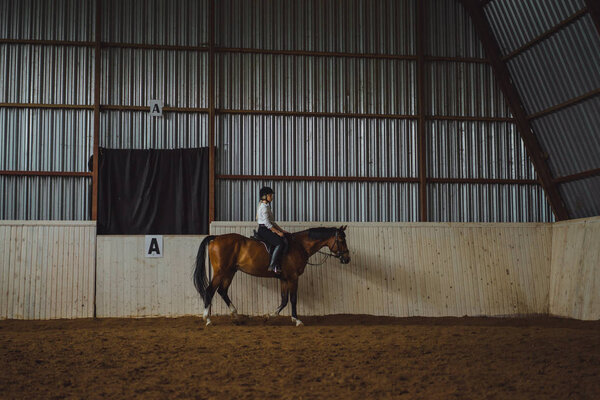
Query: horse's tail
[{"x": 200, "y": 280}]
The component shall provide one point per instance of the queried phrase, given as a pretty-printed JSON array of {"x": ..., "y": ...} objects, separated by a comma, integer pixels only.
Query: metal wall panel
[
  {"x": 320, "y": 84},
  {"x": 582, "y": 197},
  {"x": 560, "y": 68},
  {"x": 134, "y": 76},
  {"x": 46, "y": 74},
  {"x": 489, "y": 150},
  {"x": 48, "y": 20},
  {"x": 45, "y": 140},
  {"x": 165, "y": 22},
  {"x": 570, "y": 137},
  {"x": 45, "y": 198},
  {"x": 138, "y": 130},
  {"x": 309, "y": 146},
  {"x": 355, "y": 26},
  {"x": 412, "y": 269},
  {"x": 320, "y": 201},
  {"x": 517, "y": 22},
  {"x": 575, "y": 277},
  {"x": 47, "y": 269},
  {"x": 451, "y": 39},
  {"x": 487, "y": 203},
  {"x": 464, "y": 89}
]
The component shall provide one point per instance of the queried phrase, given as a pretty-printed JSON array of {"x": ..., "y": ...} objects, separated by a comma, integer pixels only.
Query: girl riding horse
[{"x": 232, "y": 252}]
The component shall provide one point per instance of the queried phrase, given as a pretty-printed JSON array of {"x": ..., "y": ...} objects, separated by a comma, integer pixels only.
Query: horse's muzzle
[{"x": 345, "y": 260}]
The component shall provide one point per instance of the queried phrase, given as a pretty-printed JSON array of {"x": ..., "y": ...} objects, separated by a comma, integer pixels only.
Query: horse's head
[{"x": 337, "y": 245}]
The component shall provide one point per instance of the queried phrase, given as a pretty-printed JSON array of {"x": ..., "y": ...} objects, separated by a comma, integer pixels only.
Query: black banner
[{"x": 153, "y": 192}]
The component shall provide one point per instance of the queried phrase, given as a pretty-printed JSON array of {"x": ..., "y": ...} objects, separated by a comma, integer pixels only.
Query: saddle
[
  {"x": 259, "y": 238},
  {"x": 256, "y": 236}
]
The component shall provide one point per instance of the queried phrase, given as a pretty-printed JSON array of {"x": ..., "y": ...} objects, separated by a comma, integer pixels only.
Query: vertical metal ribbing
[{"x": 421, "y": 138}]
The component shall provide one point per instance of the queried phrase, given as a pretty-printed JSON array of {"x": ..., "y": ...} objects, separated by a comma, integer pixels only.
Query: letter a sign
[
  {"x": 154, "y": 246},
  {"x": 156, "y": 107}
]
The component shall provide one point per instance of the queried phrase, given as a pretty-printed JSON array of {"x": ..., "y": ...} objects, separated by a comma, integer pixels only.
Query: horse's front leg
[
  {"x": 293, "y": 287},
  {"x": 284, "y": 299}
]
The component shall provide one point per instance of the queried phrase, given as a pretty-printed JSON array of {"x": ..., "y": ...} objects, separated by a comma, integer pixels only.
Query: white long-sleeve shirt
[{"x": 264, "y": 215}]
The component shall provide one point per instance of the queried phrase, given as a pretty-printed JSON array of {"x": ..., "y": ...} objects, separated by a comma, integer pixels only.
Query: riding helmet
[{"x": 265, "y": 191}]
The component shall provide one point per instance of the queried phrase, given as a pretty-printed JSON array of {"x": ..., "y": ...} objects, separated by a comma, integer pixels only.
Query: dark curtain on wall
[{"x": 153, "y": 191}]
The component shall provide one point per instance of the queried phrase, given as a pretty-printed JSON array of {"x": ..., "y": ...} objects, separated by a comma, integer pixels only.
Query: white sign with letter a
[
  {"x": 156, "y": 107},
  {"x": 154, "y": 246}
]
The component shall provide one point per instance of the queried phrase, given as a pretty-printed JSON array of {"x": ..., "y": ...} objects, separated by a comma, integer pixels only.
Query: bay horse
[{"x": 232, "y": 252}]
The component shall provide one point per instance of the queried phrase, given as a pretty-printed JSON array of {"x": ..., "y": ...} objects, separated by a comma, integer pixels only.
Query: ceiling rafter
[
  {"x": 593, "y": 7},
  {"x": 502, "y": 75}
]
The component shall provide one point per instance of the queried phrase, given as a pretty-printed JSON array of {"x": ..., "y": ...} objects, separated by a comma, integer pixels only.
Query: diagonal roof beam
[
  {"x": 502, "y": 74},
  {"x": 594, "y": 9}
]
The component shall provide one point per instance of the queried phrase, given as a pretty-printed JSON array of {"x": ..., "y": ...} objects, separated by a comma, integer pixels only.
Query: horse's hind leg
[
  {"x": 223, "y": 287},
  {"x": 210, "y": 292},
  {"x": 284, "y": 299}
]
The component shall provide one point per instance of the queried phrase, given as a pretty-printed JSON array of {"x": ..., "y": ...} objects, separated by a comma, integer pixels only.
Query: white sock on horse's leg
[
  {"x": 297, "y": 321},
  {"x": 206, "y": 314},
  {"x": 233, "y": 310}
]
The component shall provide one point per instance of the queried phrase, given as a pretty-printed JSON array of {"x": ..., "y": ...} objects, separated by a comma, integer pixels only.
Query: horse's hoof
[
  {"x": 297, "y": 321},
  {"x": 208, "y": 322},
  {"x": 273, "y": 315}
]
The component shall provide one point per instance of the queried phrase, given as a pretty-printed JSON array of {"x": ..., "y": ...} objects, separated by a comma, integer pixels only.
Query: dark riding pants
[{"x": 274, "y": 240}]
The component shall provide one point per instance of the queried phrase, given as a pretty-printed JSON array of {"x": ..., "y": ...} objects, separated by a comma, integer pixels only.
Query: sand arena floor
[{"x": 335, "y": 357}]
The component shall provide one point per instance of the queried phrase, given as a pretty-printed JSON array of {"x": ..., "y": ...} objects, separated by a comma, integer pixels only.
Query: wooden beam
[
  {"x": 318, "y": 178},
  {"x": 484, "y": 181},
  {"x": 567, "y": 103},
  {"x": 46, "y": 173},
  {"x": 421, "y": 111},
  {"x": 578, "y": 176},
  {"x": 52, "y": 106},
  {"x": 546, "y": 34},
  {"x": 97, "y": 77},
  {"x": 211, "y": 112},
  {"x": 594, "y": 10},
  {"x": 314, "y": 114},
  {"x": 389, "y": 179},
  {"x": 503, "y": 78},
  {"x": 48, "y": 42}
]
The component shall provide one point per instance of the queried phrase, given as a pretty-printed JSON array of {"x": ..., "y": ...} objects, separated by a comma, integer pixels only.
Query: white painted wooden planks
[
  {"x": 409, "y": 269},
  {"x": 131, "y": 285},
  {"x": 575, "y": 283},
  {"x": 47, "y": 269}
]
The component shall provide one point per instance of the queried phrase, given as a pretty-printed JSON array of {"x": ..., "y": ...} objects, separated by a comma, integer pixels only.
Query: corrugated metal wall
[
  {"x": 47, "y": 269},
  {"x": 266, "y": 144},
  {"x": 559, "y": 68},
  {"x": 46, "y": 139}
]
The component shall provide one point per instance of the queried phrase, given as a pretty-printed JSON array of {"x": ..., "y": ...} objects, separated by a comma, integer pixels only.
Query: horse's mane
[{"x": 320, "y": 233}]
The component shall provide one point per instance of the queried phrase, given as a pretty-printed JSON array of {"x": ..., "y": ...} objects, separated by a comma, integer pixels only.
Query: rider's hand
[{"x": 280, "y": 233}]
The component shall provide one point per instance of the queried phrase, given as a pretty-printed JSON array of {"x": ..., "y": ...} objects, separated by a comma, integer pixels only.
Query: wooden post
[
  {"x": 97, "y": 67},
  {"x": 421, "y": 110},
  {"x": 211, "y": 112}
]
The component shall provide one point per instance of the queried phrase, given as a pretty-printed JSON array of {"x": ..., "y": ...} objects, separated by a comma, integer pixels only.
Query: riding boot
[{"x": 276, "y": 258}]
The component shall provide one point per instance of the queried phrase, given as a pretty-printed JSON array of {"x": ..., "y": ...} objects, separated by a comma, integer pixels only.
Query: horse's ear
[{"x": 343, "y": 227}]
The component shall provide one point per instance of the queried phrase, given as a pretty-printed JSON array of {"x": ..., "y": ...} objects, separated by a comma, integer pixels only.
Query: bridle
[{"x": 338, "y": 254}]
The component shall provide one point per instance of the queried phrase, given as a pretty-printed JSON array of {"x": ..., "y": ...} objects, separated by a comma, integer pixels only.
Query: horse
[{"x": 229, "y": 253}]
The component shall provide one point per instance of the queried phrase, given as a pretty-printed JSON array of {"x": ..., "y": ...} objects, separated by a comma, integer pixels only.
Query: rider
[{"x": 269, "y": 230}]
